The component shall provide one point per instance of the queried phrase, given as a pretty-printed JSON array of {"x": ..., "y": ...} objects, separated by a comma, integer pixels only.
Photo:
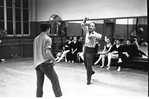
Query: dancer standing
[
  {"x": 44, "y": 62},
  {"x": 92, "y": 38}
]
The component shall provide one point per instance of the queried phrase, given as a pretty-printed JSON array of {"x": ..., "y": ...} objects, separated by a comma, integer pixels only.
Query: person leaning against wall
[{"x": 1, "y": 60}]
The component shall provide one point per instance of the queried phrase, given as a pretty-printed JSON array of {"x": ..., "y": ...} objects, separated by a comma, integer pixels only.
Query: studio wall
[{"x": 78, "y": 9}]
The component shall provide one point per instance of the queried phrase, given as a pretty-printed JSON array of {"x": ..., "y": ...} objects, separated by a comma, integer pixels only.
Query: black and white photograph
[{"x": 74, "y": 49}]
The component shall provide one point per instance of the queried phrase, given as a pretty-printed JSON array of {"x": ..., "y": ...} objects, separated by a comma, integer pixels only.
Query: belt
[{"x": 89, "y": 47}]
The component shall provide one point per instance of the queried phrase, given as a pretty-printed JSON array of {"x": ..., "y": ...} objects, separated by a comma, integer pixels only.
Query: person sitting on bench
[
  {"x": 130, "y": 50},
  {"x": 105, "y": 53}
]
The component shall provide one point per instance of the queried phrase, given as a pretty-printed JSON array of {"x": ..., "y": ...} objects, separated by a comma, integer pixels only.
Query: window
[
  {"x": 25, "y": 27},
  {"x": 9, "y": 17},
  {"x": 25, "y": 14},
  {"x": 1, "y": 2},
  {"x": 2, "y": 15},
  {"x": 9, "y": 28},
  {"x": 9, "y": 3},
  {"x": 25, "y": 3},
  {"x": 9, "y": 14},
  {"x": 17, "y": 3},
  {"x": 2, "y": 25},
  {"x": 25, "y": 17},
  {"x": 15, "y": 17},
  {"x": 18, "y": 14}
]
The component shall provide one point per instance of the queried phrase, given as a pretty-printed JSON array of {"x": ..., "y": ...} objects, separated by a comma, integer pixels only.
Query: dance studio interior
[{"x": 20, "y": 22}]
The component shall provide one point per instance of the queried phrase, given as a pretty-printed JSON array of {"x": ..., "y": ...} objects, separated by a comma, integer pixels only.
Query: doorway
[{"x": 110, "y": 30}]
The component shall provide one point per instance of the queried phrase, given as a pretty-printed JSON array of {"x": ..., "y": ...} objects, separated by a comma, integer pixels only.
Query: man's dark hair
[
  {"x": 44, "y": 27},
  {"x": 94, "y": 23},
  {"x": 67, "y": 38},
  {"x": 120, "y": 39}
]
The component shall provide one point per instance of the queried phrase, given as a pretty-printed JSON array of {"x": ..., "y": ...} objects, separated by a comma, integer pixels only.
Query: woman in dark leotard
[{"x": 105, "y": 53}]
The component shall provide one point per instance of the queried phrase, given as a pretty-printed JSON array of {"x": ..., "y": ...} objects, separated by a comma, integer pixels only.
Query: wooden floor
[{"x": 18, "y": 79}]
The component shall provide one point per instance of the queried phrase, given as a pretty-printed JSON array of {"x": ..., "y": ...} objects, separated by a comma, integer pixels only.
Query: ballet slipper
[
  {"x": 119, "y": 69},
  {"x": 95, "y": 63},
  {"x": 108, "y": 65},
  {"x": 65, "y": 60},
  {"x": 58, "y": 61},
  {"x": 108, "y": 68},
  {"x": 101, "y": 66},
  {"x": 120, "y": 60}
]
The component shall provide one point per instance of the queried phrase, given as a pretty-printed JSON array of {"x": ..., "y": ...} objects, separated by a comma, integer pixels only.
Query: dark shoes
[
  {"x": 60, "y": 95},
  {"x": 93, "y": 72},
  {"x": 88, "y": 82}
]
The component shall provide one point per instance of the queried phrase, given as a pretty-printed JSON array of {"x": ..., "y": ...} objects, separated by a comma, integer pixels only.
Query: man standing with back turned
[
  {"x": 92, "y": 38},
  {"x": 44, "y": 62}
]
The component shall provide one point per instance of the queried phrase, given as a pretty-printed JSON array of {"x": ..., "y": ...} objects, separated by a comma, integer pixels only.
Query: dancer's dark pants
[
  {"x": 88, "y": 61},
  {"x": 48, "y": 70}
]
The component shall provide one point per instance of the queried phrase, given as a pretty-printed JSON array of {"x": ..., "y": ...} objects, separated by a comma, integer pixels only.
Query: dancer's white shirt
[
  {"x": 93, "y": 41},
  {"x": 41, "y": 43}
]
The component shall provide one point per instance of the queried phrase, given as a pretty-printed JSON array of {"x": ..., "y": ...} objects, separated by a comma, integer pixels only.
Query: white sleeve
[
  {"x": 85, "y": 28},
  {"x": 99, "y": 36}
]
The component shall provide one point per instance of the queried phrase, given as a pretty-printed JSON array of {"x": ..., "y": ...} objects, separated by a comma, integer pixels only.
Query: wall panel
[{"x": 78, "y": 9}]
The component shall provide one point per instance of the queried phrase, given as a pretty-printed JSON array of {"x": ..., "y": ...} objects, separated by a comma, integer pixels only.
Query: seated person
[
  {"x": 80, "y": 43},
  {"x": 74, "y": 49},
  {"x": 134, "y": 41},
  {"x": 66, "y": 49},
  {"x": 80, "y": 49},
  {"x": 58, "y": 55},
  {"x": 130, "y": 50},
  {"x": 142, "y": 42},
  {"x": 81, "y": 54},
  {"x": 115, "y": 51},
  {"x": 105, "y": 53}
]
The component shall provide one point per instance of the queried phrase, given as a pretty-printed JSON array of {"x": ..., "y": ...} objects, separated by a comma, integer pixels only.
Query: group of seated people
[
  {"x": 70, "y": 50},
  {"x": 120, "y": 50}
]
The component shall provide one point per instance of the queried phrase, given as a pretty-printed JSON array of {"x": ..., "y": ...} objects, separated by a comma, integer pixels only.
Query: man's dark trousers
[
  {"x": 48, "y": 70},
  {"x": 88, "y": 61}
]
